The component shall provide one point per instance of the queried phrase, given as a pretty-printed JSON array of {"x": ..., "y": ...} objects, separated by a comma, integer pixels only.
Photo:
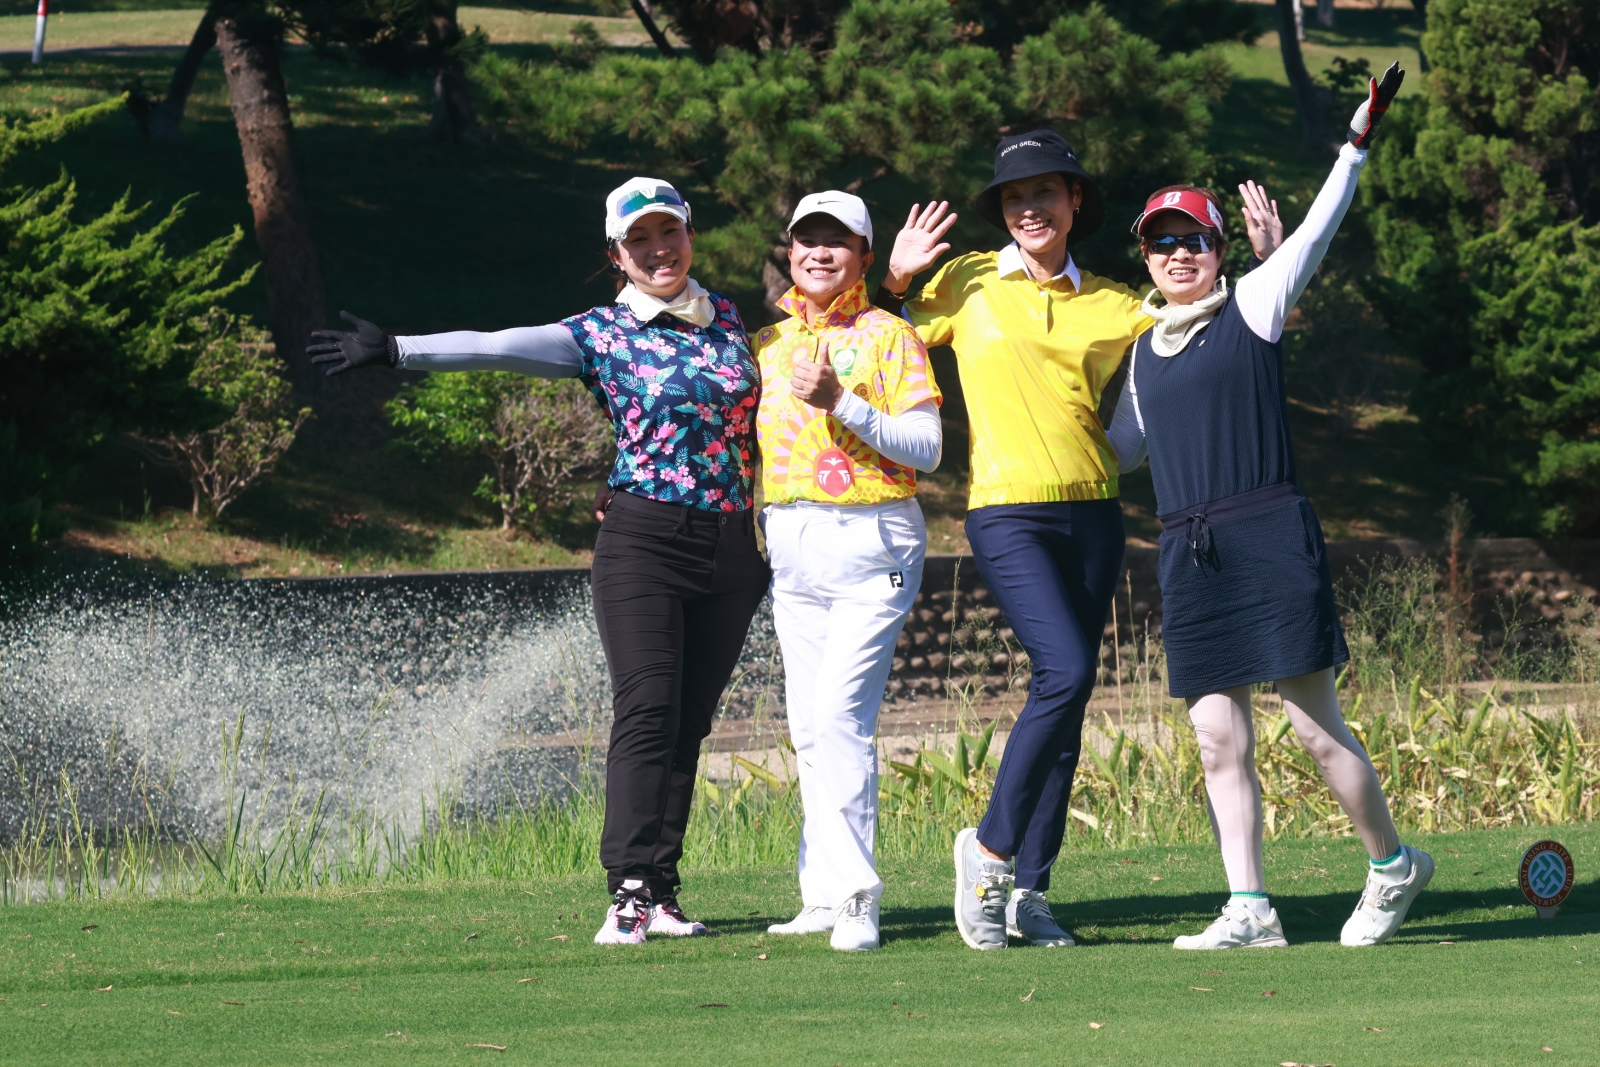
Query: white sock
[
  {"x": 1397, "y": 869},
  {"x": 1258, "y": 904}
]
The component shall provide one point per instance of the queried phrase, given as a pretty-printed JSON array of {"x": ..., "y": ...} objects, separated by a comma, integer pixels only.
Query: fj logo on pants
[
  {"x": 897, "y": 579},
  {"x": 834, "y": 476}
]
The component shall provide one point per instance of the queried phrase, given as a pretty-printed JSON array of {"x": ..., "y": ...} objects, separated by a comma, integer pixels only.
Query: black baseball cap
[{"x": 1027, "y": 155}]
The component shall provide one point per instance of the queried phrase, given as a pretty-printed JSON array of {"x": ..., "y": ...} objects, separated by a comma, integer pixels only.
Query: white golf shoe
[
  {"x": 626, "y": 919},
  {"x": 1386, "y": 900},
  {"x": 1237, "y": 927},
  {"x": 668, "y": 918},
  {"x": 855, "y": 928},
  {"x": 811, "y": 920}
]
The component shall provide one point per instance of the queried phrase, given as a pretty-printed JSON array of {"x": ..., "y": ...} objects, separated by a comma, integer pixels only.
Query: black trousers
[{"x": 674, "y": 590}]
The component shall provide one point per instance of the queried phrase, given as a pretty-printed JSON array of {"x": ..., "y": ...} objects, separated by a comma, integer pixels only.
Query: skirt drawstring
[{"x": 1197, "y": 531}]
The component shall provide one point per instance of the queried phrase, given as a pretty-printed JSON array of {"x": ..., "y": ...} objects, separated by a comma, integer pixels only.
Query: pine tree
[
  {"x": 904, "y": 91},
  {"x": 97, "y": 323},
  {"x": 1485, "y": 208}
]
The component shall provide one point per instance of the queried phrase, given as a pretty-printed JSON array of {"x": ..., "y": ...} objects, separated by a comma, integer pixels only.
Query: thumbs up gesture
[{"x": 816, "y": 383}]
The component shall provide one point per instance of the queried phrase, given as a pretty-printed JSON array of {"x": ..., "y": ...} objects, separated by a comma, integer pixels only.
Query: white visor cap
[
  {"x": 637, "y": 197},
  {"x": 848, "y": 208}
]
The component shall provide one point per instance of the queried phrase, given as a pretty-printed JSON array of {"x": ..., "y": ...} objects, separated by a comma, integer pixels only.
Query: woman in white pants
[
  {"x": 1245, "y": 585},
  {"x": 849, "y": 413}
]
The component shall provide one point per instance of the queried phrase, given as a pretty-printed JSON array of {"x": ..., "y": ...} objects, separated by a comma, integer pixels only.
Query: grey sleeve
[
  {"x": 537, "y": 351},
  {"x": 1126, "y": 432}
]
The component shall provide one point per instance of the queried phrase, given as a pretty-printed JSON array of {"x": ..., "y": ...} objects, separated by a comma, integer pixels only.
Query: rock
[
  {"x": 897, "y": 665},
  {"x": 919, "y": 663},
  {"x": 937, "y": 661}
]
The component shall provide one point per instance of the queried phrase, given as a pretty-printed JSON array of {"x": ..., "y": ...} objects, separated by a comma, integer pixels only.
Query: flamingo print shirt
[
  {"x": 807, "y": 453},
  {"x": 682, "y": 399}
]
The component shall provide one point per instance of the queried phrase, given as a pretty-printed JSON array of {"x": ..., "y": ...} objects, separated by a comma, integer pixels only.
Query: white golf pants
[{"x": 843, "y": 582}]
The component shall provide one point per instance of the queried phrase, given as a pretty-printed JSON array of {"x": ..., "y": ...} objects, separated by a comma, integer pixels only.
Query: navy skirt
[{"x": 1246, "y": 594}]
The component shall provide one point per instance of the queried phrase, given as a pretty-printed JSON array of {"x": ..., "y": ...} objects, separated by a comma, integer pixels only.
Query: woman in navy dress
[{"x": 1245, "y": 586}]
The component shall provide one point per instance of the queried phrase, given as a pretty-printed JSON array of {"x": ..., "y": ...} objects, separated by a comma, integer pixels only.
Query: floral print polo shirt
[
  {"x": 806, "y": 453},
  {"x": 682, "y": 399}
]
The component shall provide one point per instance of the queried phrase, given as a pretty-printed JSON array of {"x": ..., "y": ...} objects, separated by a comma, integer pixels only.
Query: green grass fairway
[{"x": 424, "y": 975}]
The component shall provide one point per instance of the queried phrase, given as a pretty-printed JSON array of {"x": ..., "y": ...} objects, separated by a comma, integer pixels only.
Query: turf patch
[{"x": 412, "y": 974}]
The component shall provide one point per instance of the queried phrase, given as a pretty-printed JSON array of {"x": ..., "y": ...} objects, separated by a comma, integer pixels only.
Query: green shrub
[{"x": 98, "y": 325}]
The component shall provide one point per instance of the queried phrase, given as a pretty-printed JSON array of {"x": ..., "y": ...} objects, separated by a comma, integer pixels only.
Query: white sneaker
[
  {"x": 1237, "y": 927},
  {"x": 811, "y": 920},
  {"x": 856, "y": 927},
  {"x": 1386, "y": 900},
  {"x": 626, "y": 920},
  {"x": 668, "y": 918}
]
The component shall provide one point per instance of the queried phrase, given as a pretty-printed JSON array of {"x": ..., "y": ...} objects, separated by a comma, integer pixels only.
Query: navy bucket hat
[{"x": 1028, "y": 155}]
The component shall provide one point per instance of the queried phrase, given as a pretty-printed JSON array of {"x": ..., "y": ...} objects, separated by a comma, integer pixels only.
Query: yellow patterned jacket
[{"x": 806, "y": 453}]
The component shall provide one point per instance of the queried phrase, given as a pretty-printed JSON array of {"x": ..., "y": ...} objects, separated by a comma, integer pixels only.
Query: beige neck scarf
[
  {"x": 1176, "y": 324},
  {"x": 693, "y": 304}
]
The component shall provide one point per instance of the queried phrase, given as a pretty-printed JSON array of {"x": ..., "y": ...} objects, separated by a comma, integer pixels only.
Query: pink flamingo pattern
[{"x": 682, "y": 399}]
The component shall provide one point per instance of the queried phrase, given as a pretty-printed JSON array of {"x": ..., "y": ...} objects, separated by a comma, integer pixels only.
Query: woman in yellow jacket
[{"x": 1036, "y": 340}]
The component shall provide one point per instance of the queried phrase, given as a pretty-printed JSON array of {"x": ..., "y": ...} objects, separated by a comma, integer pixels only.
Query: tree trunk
[
  {"x": 453, "y": 117},
  {"x": 166, "y": 121},
  {"x": 1312, "y": 100},
  {"x": 289, "y": 263},
  {"x": 648, "y": 21},
  {"x": 775, "y": 279},
  {"x": 1325, "y": 14}
]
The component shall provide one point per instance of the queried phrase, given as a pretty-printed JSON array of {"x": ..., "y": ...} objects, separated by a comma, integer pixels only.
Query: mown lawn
[{"x": 413, "y": 975}]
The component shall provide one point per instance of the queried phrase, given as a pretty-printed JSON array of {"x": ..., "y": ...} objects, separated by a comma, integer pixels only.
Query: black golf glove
[
  {"x": 365, "y": 346},
  {"x": 1370, "y": 113}
]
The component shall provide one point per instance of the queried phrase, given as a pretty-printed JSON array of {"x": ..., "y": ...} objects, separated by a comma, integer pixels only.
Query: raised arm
[
  {"x": 917, "y": 246},
  {"x": 1267, "y": 294},
  {"x": 537, "y": 351}
]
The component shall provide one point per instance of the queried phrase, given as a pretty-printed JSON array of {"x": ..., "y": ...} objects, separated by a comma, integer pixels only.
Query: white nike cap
[
  {"x": 848, "y": 208},
  {"x": 637, "y": 197}
]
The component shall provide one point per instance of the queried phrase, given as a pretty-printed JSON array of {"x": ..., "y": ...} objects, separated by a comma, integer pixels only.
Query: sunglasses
[
  {"x": 1167, "y": 243},
  {"x": 639, "y": 200}
]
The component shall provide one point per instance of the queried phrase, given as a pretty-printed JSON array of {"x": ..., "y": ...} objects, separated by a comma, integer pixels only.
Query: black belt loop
[{"x": 1196, "y": 521}]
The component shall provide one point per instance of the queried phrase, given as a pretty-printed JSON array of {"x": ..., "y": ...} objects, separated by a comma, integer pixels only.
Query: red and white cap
[{"x": 1191, "y": 203}]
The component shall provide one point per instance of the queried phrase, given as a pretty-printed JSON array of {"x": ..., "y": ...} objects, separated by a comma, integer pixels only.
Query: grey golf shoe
[
  {"x": 982, "y": 886},
  {"x": 1028, "y": 918}
]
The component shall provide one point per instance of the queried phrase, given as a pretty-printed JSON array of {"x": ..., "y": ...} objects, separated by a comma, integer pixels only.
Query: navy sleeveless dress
[{"x": 1246, "y": 593}]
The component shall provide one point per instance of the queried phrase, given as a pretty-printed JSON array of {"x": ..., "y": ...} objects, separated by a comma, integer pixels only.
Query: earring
[{"x": 1076, "y": 210}]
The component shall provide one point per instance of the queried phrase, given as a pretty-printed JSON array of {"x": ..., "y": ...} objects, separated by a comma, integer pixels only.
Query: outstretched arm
[{"x": 537, "y": 351}]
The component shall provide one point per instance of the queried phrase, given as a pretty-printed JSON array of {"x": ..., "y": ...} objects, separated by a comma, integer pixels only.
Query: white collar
[
  {"x": 1011, "y": 263},
  {"x": 693, "y": 305}
]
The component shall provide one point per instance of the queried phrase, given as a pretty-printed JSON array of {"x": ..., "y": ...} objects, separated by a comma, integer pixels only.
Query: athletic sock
[
  {"x": 1258, "y": 904},
  {"x": 1396, "y": 867}
]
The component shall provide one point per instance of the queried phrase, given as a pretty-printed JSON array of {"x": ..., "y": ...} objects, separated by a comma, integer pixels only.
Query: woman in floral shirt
[{"x": 677, "y": 575}]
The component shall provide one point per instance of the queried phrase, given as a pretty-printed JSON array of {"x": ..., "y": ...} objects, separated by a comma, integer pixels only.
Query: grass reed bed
[{"x": 1463, "y": 737}]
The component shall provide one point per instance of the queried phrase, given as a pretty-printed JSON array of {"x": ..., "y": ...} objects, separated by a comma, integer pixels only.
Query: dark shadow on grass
[{"x": 1307, "y": 918}]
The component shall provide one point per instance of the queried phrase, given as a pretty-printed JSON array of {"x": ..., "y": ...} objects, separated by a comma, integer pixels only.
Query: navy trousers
[{"x": 1052, "y": 569}]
